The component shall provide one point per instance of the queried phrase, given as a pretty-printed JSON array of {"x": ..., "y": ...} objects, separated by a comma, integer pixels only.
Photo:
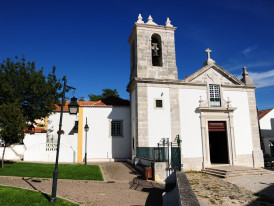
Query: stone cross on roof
[
  {"x": 208, "y": 51},
  {"x": 209, "y": 60}
]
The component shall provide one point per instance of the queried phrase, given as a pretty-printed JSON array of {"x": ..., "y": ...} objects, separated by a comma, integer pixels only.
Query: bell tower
[{"x": 152, "y": 50}]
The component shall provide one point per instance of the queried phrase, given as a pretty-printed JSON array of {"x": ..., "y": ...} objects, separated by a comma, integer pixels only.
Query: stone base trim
[
  {"x": 192, "y": 163},
  {"x": 244, "y": 160},
  {"x": 258, "y": 158}
]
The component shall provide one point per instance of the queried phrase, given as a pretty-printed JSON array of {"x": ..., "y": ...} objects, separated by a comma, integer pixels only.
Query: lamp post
[
  {"x": 86, "y": 129},
  {"x": 72, "y": 111}
]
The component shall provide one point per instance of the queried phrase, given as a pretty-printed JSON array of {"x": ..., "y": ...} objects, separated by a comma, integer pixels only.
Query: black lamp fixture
[{"x": 73, "y": 106}]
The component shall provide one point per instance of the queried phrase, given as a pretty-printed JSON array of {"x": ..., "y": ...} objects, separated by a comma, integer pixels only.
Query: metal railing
[
  {"x": 51, "y": 146},
  {"x": 157, "y": 154}
]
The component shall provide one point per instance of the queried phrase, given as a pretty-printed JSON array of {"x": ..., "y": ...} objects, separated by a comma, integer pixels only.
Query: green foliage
[
  {"x": 12, "y": 123},
  {"x": 81, "y": 99},
  {"x": 11, "y": 196},
  {"x": 66, "y": 171},
  {"x": 105, "y": 93},
  {"x": 21, "y": 83}
]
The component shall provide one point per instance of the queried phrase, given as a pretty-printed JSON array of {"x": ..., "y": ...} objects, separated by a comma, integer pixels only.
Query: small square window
[
  {"x": 159, "y": 103},
  {"x": 116, "y": 128}
]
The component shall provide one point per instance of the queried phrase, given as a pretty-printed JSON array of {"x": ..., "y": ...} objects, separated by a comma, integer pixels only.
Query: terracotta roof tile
[
  {"x": 81, "y": 103},
  {"x": 263, "y": 113},
  {"x": 108, "y": 101}
]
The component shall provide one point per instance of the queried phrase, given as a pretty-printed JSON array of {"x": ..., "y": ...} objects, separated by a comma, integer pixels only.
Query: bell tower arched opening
[{"x": 156, "y": 50}]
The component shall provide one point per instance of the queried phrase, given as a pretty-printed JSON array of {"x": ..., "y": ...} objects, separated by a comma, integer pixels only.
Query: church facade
[{"x": 212, "y": 111}]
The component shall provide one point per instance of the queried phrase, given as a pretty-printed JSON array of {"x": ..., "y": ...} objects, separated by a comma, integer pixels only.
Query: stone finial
[
  {"x": 168, "y": 22},
  {"x": 209, "y": 60},
  {"x": 140, "y": 19},
  {"x": 150, "y": 21},
  {"x": 246, "y": 79}
]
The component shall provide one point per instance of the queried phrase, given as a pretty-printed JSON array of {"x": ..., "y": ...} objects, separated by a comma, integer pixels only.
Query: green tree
[
  {"x": 105, "y": 93},
  {"x": 12, "y": 124},
  {"x": 26, "y": 94},
  {"x": 21, "y": 83},
  {"x": 81, "y": 99}
]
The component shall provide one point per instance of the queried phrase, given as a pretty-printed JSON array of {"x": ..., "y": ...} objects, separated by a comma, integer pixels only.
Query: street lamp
[
  {"x": 73, "y": 106},
  {"x": 55, "y": 172},
  {"x": 86, "y": 129}
]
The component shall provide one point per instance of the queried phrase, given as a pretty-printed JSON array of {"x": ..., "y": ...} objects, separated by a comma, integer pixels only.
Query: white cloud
[
  {"x": 263, "y": 79},
  {"x": 248, "y": 50},
  {"x": 239, "y": 66}
]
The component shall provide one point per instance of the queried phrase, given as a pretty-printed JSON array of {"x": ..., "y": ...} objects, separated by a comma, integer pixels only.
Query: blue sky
[{"x": 87, "y": 40}]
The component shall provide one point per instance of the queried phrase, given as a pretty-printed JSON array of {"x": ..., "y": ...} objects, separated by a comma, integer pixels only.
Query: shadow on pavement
[
  {"x": 34, "y": 180},
  {"x": 265, "y": 196},
  {"x": 153, "y": 189}
]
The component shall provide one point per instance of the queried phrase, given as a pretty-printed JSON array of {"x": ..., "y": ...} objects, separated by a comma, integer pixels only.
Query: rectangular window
[
  {"x": 116, "y": 128},
  {"x": 159, "y": 103},
  {"x": 214, "y": 92}
]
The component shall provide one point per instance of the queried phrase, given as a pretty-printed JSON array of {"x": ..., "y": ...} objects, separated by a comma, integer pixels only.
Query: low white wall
[
  {"x": 14, "y": 154},
  {"x": 34, "y": 149}
]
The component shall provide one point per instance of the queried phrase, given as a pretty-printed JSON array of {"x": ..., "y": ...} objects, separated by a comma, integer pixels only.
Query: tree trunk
[{"x": 2, "y": 166}]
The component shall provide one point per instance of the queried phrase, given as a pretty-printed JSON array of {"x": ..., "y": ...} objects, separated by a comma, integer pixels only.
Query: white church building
[{"x": 213, "y": 112}]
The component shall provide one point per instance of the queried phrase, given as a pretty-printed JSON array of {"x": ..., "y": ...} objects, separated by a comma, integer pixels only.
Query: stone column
[
  {"x": 257, "y": 154},
  {"x": 174, "y": 113}
]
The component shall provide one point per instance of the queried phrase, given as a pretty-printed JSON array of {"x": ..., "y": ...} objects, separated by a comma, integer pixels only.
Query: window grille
[
  {"x": 116, "y": 128},
  {"x": 159, "y": 103},
  {"x": 215, "y": 99}
]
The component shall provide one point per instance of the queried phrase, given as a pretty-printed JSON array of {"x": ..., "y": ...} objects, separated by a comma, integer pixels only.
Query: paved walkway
[
  {"x": 121, "y": 187},
  {"x": 260, "y": 185}
]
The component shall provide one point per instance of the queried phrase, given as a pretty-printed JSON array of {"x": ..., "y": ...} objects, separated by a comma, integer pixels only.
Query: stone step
[{"x": 233, "y": 173}]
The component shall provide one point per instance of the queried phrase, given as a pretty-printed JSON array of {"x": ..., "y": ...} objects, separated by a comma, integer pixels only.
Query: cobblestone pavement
[
  {"x": 248, "y": 190},
  {"x": 121, "y": 187}
]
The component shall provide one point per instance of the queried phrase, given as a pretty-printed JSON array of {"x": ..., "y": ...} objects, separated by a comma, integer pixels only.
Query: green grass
[
  {"x": 65, "y": 171},
  {"x": 16, "y": 196}
]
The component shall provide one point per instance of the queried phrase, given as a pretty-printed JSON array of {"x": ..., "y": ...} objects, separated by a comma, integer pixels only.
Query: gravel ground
[
  {"x": 247, "y": 190},
  {"x": 121, "y": 187}
]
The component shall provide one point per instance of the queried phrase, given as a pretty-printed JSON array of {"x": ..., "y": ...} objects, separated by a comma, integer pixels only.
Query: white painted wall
[
  {"x": 267, "y": 130},
  {"x": 13, "y": 154},
  {"x": 190, "y": 122},
  {"x": 241, "y": 117},
  {"x": 68, "y": 123},
  {"x": 100, "y": 145},
  {"x": 158, "y": 118},
  {"x": 267, "y": 124},
  {"x": 34, "y": 149}
]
